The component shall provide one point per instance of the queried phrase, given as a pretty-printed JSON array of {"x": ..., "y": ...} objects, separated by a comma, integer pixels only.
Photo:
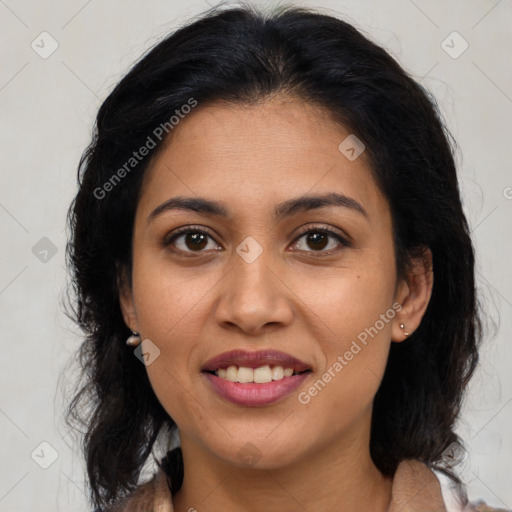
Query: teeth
[
  {"x": 262, "y": 374},
  {"x": 259, "y": 375},
  {"x": 245, "y": 374},
  {"x": 277, "y": 373},
  {"x": 231, "y": 373}
]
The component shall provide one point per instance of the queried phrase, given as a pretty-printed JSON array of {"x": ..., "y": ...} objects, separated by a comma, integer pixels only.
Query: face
[{"x": 306, "y": 285}]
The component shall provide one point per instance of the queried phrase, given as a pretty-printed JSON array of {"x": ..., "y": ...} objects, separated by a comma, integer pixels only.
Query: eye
[
  {"x": 319, "y": 238},
  {"x": 189, "y": 239}
]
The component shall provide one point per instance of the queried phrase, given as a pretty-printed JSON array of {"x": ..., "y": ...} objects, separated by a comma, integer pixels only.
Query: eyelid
[
  {"x": 186, "y": 229},
  {"x": 336, "y": 232}
]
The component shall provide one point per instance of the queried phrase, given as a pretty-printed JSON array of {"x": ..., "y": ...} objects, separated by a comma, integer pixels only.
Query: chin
[{"x": 258, "y": 453}]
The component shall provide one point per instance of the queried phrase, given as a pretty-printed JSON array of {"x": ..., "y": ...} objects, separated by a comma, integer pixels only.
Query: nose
[{"x": 253, "y": 298}]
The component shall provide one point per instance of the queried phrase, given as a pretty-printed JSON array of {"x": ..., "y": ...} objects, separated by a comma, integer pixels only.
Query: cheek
[
  {"x": 343, "y": 391},
  {"x": 168, "y": 298},
  {"x": 348, "y": 300},
  {"x": 354, "y": 310},
  {"x": 167, "y": 311}
]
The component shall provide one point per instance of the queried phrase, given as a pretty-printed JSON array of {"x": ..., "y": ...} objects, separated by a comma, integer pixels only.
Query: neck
[{"x": 340, "y": 477}]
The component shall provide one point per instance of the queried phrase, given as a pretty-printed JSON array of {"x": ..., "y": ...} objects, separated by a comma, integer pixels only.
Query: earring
[
  {"x": 133, "y": 340},
  {"x": 402, "y": 326}
]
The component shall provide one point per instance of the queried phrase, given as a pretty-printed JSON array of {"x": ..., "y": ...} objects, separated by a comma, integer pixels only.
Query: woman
[{"x": 275, "y": 276}]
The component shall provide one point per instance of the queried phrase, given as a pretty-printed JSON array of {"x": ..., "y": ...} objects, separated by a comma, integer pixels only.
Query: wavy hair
[{"x": 242, "y": 55}]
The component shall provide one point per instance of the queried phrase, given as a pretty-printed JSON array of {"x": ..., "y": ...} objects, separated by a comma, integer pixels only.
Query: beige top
[{"x": 415, "y": 489}]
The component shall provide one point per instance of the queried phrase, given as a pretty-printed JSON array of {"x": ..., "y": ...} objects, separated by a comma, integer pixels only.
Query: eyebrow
[{"x": 287, "y": 208}]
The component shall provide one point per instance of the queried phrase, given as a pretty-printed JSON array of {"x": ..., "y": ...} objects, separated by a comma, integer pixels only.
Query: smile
[{"x": 255, "y": 379}]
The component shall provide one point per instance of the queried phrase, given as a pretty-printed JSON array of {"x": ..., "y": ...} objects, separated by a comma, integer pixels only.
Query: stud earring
[
  {"x": 133, "y": 340},
  {"x": 402, "y": 326}
]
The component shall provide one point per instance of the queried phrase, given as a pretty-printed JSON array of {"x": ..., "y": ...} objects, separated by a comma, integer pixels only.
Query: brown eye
[
  {"x": 195, "y": 241},
  {"x": 189, "y": 240},
  {"x": 317, "y": 240}
]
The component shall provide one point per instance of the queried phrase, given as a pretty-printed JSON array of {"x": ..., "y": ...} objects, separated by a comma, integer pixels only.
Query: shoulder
[
  {"x": 155, "y": 495},
  {"x": 480, "y": 506},
  {"x": 417, "y": 488},
  {"x": 151, "y": 496}
]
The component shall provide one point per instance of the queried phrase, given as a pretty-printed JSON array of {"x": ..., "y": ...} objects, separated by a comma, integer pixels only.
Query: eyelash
[{"x": 325, "y": 230}]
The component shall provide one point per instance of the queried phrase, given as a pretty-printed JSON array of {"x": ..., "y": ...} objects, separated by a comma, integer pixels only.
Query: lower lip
[{"x": 256, "y": 395}]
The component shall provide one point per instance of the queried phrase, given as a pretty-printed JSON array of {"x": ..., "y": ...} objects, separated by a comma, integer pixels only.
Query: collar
[{"x": 415, "y": 489}]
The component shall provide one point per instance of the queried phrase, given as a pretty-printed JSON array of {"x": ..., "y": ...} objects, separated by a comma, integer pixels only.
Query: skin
[{"x": 312, "y": 456}]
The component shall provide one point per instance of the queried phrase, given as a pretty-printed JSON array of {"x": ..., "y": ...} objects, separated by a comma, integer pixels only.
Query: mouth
[{"x": 255, "y": 379}]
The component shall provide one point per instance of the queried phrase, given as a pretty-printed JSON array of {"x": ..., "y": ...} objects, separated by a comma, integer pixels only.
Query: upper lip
[{"x": 254, "y": 359}]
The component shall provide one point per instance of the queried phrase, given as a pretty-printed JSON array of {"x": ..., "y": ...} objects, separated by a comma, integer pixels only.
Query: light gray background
[{"x": 47, "y": 111}]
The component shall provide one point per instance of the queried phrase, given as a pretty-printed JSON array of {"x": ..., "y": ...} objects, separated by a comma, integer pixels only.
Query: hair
[{"x": 241, "y": 55}]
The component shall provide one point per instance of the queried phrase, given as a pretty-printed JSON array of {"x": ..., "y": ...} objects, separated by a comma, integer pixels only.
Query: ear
[
  {"x": 126, "y": 299},
  {"x": 413, "y": 293}
]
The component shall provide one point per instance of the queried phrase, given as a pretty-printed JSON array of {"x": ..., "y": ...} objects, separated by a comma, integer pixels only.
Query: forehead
[
  {"x": 249, "y": 155},
  {"x": 288, "y": 127}
]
